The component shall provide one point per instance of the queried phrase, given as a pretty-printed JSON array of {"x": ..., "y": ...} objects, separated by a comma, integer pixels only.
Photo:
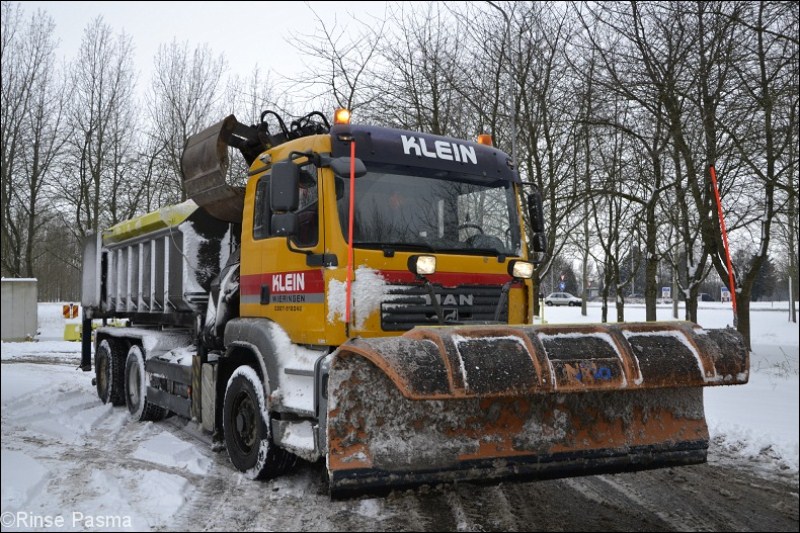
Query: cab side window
[
  {"x": 308, "y": 210},
  {"x": 262, "y": 213}
]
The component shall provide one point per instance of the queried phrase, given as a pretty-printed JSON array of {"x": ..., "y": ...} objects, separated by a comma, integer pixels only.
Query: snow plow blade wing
[{"x": 488, "y": 403}]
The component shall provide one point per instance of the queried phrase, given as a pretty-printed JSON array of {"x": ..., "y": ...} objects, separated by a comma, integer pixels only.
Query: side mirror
[
  {"x": 341, "y": 167},
  {"x": 536, "y": 216},
  {"x": 535, "y": 211},
  {"x": 284, "y": 187}
]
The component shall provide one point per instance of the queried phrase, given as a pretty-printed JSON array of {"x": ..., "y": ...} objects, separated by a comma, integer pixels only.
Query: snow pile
[
  {"x": 22, "y": 478},
  {"x": 760, "y": 419},
  {"x": 64, "y": 351},
  {"x": 70, "y": 462}
]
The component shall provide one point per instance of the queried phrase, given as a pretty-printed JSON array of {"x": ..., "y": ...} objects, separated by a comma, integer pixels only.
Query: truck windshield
[{"x": 459, "y": 214}]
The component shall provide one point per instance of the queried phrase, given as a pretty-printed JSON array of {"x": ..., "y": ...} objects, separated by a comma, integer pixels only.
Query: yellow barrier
[{"x": 72, "y": 332}]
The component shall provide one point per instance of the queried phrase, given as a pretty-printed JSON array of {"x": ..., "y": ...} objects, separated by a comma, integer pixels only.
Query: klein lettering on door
[{"x": 291, "y": 282}]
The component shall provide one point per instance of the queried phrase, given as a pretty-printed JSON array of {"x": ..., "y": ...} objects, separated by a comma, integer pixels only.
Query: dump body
[{"x": 159, "y": 265}]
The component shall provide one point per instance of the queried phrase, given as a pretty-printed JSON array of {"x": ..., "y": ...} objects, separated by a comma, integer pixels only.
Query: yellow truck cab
[{"x": 417, "y": 195}]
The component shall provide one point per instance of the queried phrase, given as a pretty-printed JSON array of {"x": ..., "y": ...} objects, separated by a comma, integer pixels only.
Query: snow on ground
[{"x": 58, "y": 439}]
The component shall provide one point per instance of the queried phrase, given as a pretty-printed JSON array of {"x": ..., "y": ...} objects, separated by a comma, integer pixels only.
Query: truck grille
[{"x": 406, "y": 306}]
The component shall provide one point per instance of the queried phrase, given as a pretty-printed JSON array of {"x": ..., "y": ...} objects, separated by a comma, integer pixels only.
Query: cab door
[{"x": 277, "y": 282}]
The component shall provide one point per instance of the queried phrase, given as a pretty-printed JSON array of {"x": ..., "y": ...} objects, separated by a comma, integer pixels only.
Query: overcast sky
[{"x": 248, "y": 33}]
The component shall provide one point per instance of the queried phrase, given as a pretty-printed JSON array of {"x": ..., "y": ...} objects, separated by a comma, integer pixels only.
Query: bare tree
[
  {"x": 613, "y": 213},
  {"x": 32, "y": 105},
  {"x": 184, "y": 98},
  {"x": 548, "y": 132},
  {"x": 763, "y": 130},
  {"x": 247, "y": 97},
  {"x": 342, "y": 60},
  {"x": 649, "y": 64},
  {"x": 102, "y": 123},
  {"x": 585, "y": 88},
  {"x": 418, "y": 88}
]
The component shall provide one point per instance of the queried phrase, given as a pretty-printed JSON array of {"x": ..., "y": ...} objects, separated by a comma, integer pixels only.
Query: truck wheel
[
  {"x": 136, "y": 388},
  {"x": 245, "y": 423},
  {"x": 110, "y": 372}
]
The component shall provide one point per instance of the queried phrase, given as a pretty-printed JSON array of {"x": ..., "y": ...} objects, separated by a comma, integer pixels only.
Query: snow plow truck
[{"x": 366, "y": 299}]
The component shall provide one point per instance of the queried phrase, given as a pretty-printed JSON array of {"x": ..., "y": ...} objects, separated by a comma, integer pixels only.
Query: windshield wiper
[{"x": 474, "y": 251}]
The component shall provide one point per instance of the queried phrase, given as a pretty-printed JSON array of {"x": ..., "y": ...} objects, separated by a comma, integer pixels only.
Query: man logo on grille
[
  {"x": 450, "y": 314},
  {"x": 461, "y": 300}
]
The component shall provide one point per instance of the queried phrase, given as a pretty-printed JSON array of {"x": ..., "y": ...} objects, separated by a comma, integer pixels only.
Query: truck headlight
[
  {"x": 520, "y": 269},
  {"x": 422, "y": 265}
]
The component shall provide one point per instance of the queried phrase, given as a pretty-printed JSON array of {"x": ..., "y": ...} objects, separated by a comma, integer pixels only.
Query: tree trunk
[
  {"x": 651, "y": 287},
  {"x": 674, "y": 295},
  {"x": 691, "y": 304},
  {"x": 651, "y": 264},
  {"x": 743, "y": 314},
  {"x": 792, "y": 250}
]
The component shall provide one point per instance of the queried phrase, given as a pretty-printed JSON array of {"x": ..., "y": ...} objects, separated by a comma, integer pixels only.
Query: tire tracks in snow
[{"x": 729, "y": 493}]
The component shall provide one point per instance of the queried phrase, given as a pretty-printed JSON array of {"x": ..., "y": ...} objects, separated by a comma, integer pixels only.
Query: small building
[{"x": 20, "y": 312}]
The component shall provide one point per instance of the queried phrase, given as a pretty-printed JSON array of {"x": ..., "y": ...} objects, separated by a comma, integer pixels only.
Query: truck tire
[
  {"x": 245, "y": 424},
  {"x": 110, "y": 373},
  {"x": 136, "y": 389}
]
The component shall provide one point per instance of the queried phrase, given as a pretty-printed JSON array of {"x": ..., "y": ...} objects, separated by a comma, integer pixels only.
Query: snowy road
[{"x": 158, "y": 476}]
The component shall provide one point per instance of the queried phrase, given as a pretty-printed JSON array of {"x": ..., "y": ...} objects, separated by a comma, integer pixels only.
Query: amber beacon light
[{"x": 341, "y": 116}]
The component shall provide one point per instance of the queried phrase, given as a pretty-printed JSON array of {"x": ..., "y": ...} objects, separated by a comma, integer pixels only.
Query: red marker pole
[
  {"x": 731, "y": 281},
  {"x": 349, "y": 281}
]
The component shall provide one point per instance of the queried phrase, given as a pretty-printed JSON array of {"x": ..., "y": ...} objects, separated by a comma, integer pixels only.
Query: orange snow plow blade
[{"x": 487, "y": 403}]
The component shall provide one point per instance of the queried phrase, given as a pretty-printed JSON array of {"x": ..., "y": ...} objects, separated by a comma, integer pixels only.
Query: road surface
[{"x": 63, "y": 450}]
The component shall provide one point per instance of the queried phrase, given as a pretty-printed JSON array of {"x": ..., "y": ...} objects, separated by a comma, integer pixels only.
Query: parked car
[
  {"x": 562, "y": 298},
  {"x": 704, "y": 297}
]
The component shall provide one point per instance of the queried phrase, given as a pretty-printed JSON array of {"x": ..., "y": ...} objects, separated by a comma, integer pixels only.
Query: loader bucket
[
  {"x": 204, "y": 165},
  {"x": 487, "y": 403}
]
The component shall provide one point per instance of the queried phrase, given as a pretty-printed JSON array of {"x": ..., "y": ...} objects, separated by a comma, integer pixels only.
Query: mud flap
[{"x": 490, "y": 403}]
